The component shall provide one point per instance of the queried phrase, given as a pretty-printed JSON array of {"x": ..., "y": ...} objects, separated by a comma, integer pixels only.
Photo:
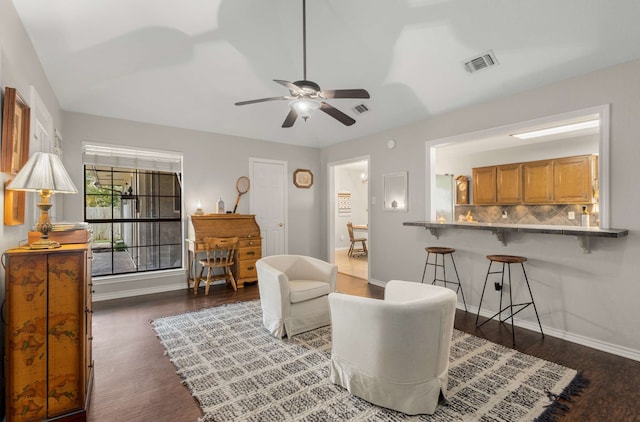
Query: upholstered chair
[
  {"x": 294, "y": 293},
  {"x": 394, "y": 352}
]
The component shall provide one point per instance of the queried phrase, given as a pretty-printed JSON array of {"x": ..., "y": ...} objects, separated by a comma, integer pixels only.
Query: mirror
[{"x": 394, "y": 186}]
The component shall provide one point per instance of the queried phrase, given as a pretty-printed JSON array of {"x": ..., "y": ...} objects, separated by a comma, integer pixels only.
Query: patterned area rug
[{"x": 238, "y": 372}]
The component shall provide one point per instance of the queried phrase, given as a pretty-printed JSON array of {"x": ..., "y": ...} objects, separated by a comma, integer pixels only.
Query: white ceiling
[{"x": 185, "y": 64}]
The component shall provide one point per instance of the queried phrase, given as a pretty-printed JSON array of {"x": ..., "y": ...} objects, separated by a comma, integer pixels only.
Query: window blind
[{"x": 144, "y": 159}]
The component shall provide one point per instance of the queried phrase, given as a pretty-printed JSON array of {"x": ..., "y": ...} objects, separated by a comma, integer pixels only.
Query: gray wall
[
  {"x": 212, "y": 164},
  {"x": 590, "y": 298}
]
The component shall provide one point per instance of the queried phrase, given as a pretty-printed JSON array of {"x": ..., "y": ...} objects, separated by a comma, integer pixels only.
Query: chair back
[
  {"x": 220, "y": 250},
  {"x": 350, "y": 230}
]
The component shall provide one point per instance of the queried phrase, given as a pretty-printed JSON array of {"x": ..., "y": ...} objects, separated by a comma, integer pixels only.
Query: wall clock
[
  {"x": 303, "y": 178},
  {"x": 462, "y": 190}
]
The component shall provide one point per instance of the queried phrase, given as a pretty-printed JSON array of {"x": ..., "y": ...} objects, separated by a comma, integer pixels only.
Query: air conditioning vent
[
  {"x": 483, "y": 61},
  {"x": 361, "y": 108}
]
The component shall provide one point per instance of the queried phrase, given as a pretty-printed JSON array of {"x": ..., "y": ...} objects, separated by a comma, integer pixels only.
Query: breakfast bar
[{"x": 584, "y": 234}]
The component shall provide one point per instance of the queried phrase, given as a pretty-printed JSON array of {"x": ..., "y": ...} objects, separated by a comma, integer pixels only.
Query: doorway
[
  {"x": 268, "y": 202},
  {"x": 349, "y": 203}
]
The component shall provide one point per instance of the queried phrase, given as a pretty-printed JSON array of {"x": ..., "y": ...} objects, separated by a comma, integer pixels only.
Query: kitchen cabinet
[
  {"x": 538, "y": 182},
  {"x": 575, "y": 179},
  {"x": 509, "y": 184},
  {"x": 484, "y": 185},
  {"x": 568, "y": 180},
  {"x": 48, "y": 360}
]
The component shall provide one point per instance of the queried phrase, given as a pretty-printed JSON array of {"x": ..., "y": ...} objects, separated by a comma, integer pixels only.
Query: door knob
[{"x": 280, "y": 225}]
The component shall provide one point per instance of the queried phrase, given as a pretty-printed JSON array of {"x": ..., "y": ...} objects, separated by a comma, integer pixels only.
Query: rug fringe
[{"x": 556, "y": 408}]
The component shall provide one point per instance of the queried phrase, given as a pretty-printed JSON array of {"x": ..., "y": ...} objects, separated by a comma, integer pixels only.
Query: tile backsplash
[{"x": 527, "y": 214}]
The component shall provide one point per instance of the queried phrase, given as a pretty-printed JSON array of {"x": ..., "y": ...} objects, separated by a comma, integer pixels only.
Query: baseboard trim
[
  {"x": 565, "y": 335},
  {"x": 97, "y": 297},
  {"x": 378, "y": 283}
]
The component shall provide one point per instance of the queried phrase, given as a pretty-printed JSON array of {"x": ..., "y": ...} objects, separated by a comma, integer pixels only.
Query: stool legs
[
  {"x": 444, "y": 274},
  {"x": 510, "y": 307}
]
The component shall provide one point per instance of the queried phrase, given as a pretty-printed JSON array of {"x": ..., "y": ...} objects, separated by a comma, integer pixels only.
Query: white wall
[
  {"x": 591, "y": 298},
  {"x": 212, "y": 164}
]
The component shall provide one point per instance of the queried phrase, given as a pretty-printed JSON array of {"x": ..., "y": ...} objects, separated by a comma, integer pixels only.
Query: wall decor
[
  {"x": 15, "y": 132},
  {"x": 344, "y": 204},
  {"x": 14, "y": 204},
  {"x": 303, "y": 178},
  {"x": 394, "y": 187}
]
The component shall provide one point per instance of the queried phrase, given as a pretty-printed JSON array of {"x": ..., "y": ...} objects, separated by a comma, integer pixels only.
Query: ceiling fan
[{"x": 306, "y": 96}]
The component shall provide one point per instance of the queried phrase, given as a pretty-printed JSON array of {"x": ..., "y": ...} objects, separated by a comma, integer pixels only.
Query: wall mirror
[{"x": 394, "y": 187}]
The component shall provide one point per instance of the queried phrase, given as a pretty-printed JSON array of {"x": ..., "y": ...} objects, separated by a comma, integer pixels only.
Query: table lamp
[{"x": 45, "y": 174}]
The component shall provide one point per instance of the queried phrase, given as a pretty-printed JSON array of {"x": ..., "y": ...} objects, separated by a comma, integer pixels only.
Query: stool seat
[
  {"x": 440, "y": 250},
  {"x": 512, "y": 308},
  {"x": 507, "y": 259}
]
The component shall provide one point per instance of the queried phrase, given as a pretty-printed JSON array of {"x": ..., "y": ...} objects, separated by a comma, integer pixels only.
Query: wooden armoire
[{"x": 49, "y": 367}]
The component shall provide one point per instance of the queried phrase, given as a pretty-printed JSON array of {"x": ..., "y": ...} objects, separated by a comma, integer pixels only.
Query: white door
[{"x": 268, "y": 197}]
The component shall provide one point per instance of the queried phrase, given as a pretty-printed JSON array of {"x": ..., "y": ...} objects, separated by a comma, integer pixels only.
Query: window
[{"x": 135, "y": 213}]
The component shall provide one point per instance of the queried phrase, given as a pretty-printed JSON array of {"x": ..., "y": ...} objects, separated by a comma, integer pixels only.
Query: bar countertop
[
  {"x": 523, "y": 228},
  {"x": 501, "y": 230}
]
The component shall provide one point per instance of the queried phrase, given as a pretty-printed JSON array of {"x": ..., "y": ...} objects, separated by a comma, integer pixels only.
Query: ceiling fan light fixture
[{"x": 304, "y": 106}]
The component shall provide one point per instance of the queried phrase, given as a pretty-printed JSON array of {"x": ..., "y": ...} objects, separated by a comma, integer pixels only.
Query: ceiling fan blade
[
  {"x": 289, "y": 85},
  {"x": 345, "y": 93},
  {"x": 261, "y": 100},
  {"x": 336, "y": 114},
  {"x": 290, "y": 119}
]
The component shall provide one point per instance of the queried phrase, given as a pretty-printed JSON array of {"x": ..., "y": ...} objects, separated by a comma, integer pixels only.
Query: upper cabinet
[
  {"x": 538, "y": 182},
  {"x": 575, "y": 179},
  {"x": 570, "y": 180},
  {"x": 484, "y": 185},
  {"x": 509, "y": 183}
]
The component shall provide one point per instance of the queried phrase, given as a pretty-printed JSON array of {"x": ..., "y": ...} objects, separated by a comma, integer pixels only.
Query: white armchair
[
  {"x": 394, "y": 352},
  {"x": 294, "y": 293}
]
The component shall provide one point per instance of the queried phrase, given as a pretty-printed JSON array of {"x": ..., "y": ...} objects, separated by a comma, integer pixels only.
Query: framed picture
[
  {"x": 13, "y": 206},
  {"x": 303, "y": 178},
  {"x": 15, "y": 132}
]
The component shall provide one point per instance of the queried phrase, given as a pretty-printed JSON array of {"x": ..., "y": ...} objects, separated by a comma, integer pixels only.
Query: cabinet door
[
  {"x": 538, "y": 182},
  {"x": 572, "y": 180},
  {"x": 66, "y": 334},
  {"x": 509, "y": 184},
  {"x": 26, "y": 337},
  {"x": 484, "y": 185}
]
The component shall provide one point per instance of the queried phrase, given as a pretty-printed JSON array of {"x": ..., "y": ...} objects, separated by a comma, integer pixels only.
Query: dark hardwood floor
[{"x": 135, "y": 381}]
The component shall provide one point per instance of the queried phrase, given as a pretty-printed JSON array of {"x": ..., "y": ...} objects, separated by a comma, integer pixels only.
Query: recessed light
[{"x": 558, "y": 129}]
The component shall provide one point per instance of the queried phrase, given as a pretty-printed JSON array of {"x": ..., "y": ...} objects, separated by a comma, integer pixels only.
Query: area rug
[{"x": 238, "y": 372}]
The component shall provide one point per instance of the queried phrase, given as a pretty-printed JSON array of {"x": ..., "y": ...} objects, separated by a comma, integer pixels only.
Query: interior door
[{"x": 268, "y": 197}]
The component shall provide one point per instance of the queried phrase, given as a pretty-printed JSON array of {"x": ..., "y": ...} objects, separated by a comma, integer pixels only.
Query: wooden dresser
[
  {"x": 243, "y": 226},
  {"x": 48, "y": 361}
]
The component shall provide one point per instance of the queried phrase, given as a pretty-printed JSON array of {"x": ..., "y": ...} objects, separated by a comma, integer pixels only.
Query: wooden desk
[{"x": 243, "y": 226}]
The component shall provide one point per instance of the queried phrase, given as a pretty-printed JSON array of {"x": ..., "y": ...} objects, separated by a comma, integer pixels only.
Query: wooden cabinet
[
  {"x": 570, "y": 180},
  {"x": 509, "y": 184},
  {"x": 484, "y": 185},
  {"x": 48, "y": 360},
  {"x": 244, "y": 226},
  {"x": 538, "y": 182},
  {"x": 575, "y": 179}
]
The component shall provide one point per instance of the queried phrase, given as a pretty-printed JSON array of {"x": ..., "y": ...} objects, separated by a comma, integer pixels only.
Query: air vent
[
  {"x": 361, "y": 109},
  {"x": 483, "y": 61}
]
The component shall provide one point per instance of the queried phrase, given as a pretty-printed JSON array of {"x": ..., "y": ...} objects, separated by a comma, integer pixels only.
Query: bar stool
[
  {"x": 507, "y": 260},
  {"x": 443, "y": 251}
]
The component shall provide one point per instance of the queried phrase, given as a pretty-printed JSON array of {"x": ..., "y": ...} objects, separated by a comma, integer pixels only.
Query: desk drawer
[
  {"x": 249, "y": 243},
  {"x": 249, "y": 253},
  {"x": 247, "y": 269}
]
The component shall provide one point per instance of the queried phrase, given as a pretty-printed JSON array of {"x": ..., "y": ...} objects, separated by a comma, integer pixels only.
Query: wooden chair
[
  {"x": 352, "y": 248},
  {"x": 220, "y": 254}
]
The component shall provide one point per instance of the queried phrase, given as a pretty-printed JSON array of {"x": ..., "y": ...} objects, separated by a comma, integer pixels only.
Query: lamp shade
[
  {"x": 43, "y": 171},
  {"x": 304, "y": 106}
]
